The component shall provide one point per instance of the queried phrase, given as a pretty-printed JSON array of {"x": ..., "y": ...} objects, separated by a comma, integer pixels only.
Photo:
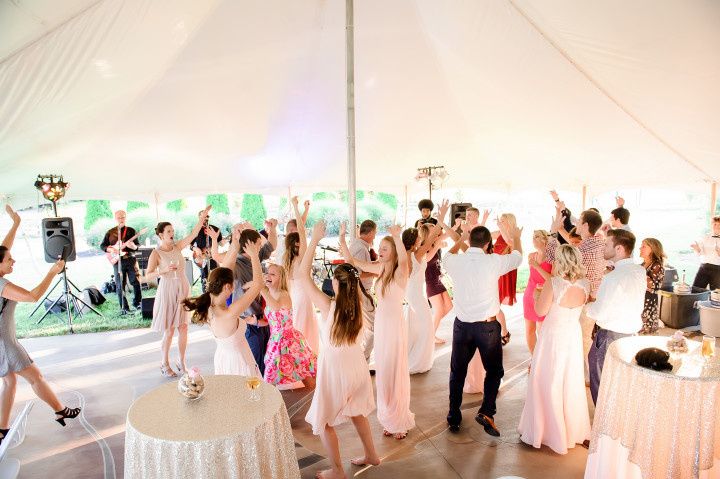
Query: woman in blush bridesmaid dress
[{"x": 392, "y": 379}]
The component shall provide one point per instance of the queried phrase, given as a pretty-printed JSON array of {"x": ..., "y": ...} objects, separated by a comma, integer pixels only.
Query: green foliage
[
  {"x": 332, "y": 211},
  {"x": 359, "y": 195},
  {"x": 140, "y": 219},
  {"x": 176, "y": 205},
  {"x": 219, "y": 203},
  {"x": 253, "y": 210},
  {"x": 96, "y": 233},
  {"x": 389, "y": 199},
  {"x": 136, "y": 205},
  {"x": 322, "y": 195},
  {"x": 95, "y": 210}
]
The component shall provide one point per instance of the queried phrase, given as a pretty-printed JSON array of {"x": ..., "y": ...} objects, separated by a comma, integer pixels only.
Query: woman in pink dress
[
  {"x": 167, "y": 262},
  {"x": 289, "y": 361},
  {"x": 393, "y": 377},
  {"x": 233, "y": 354},
  {"x": 343, "y": 388},
  {"x": 302, "y": 308},
  {"x": 556, "y": 410},
  {"x": 539, "y": 272}
]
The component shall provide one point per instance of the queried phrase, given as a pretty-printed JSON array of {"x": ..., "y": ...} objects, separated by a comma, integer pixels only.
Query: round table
[
  {"x": 652, "y": 424},
  {"x": 222, "y": 434}
]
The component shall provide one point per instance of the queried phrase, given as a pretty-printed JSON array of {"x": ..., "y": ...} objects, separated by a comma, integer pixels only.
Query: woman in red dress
[{"x": 507, "y": 284}]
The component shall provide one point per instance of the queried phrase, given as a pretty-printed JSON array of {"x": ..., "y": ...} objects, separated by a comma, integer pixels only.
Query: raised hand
[
  {"x": 212, "y": 233},
  {"x": 251, "y": 249},
  {"x": 294, "y": 201},
  {"x": 306, "y": 205},
  {"x": 271, "y": 224},
  {"x": 343, "y": 229},
  {"x": 58, "y": 267},
  {"x": 486, "y": 215},
  {"x": 554, "y": 195},
  {"x": 13, "y": 215},
  {"x": 395, "y": 230},
  {"x": 620, "y": 201},
  {"x": 204, "y": 214},
  {"x": 443, "y": 209},
  {"x": 532, "y": 260},
  {"x": 318, "y": 232}
]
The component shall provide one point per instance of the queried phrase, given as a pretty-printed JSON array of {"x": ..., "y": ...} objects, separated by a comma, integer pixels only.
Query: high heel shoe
[
  {"x": 4, "y": 433},
  {"x": 67, "y": 413}
]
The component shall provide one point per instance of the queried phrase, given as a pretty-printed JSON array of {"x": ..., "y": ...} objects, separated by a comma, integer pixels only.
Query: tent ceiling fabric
[{"x": 133, "y": 98}]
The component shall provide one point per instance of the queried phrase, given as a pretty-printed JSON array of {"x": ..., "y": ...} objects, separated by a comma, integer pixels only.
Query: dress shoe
[
  {"x": 488, "y": 424},
  {"x": 372, "y": 372},
  {"x": 454, "y": 428}
]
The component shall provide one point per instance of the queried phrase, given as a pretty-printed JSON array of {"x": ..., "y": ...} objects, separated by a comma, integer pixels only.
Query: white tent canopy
[{"x": 164, "y": 98}]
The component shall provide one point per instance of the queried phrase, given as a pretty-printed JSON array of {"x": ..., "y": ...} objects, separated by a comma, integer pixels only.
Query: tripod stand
[{"x": 71, "y": 298}]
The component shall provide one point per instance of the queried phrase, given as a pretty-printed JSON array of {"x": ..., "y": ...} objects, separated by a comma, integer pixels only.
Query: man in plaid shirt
[{"x": 591, "y": 249}]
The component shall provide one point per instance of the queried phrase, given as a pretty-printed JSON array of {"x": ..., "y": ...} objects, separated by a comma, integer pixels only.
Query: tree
[
  {"x": 176, "y": 205},
  {"x": 219, "y": 203},
  {"x": 388, "y": 199},
  {"x": 253, "y": 210},
  {"x": 95, "y": 210},
  {"x": 136, "y": 205}
]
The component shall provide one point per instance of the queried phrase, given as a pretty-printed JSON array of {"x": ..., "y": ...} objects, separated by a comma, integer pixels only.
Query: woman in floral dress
[
  {"x": 289, "y": 361},
  {"x": 651, "y": 252}
]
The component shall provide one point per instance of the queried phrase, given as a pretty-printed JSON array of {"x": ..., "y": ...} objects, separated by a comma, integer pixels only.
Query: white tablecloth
[
  {"x": 651, "y": 424},
  {"x": 220, "y": 435}
]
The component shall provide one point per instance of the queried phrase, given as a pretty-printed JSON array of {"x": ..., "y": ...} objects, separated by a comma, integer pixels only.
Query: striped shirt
[{"x": 591, "y": 251}]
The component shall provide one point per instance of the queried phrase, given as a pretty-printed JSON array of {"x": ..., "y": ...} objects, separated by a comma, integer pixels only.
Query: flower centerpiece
[
  {"x": 191, "y": 384},
  {"x": 677, "y": 343}
]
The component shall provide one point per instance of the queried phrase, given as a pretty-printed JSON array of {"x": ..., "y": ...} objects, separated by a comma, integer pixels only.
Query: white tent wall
[{"x": 141, "y": 99}]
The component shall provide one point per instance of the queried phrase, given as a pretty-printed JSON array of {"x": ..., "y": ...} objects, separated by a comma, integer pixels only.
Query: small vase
[{"x": 191, "y": 387}]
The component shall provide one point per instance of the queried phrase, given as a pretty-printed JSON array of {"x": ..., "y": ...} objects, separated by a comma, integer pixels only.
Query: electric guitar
[{"x": 115, "y": 252}]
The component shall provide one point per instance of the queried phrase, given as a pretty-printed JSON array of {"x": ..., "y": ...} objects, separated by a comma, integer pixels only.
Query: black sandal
[
  {"x": 505, "y": 339},
  {"x": 4, "y": 433},
  {"x": 66, "y": 413}
]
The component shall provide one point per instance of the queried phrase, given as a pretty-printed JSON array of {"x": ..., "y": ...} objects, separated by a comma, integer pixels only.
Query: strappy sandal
[
  {"x": 505, "y": 339},
  {"x": 66, "y": 413},
  {"x": 179, "y": 368},
  {"x": 167, "y": 371}
]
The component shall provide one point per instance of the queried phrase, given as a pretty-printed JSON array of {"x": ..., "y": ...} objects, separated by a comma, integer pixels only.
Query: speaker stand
[{"x": 71, "y": 298}]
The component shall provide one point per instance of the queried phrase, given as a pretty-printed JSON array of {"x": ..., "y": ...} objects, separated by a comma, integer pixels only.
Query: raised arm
[
  {"x": 271, "y": 228},
  {"x": 302, "y": 232},
  {"x": 10, "y": 236},
  {"x": 306, "y": 212},
  {"x": 320, "y": 299},
  {"x": 242, "y": 303},
  {"x": 461, "y": 241},
  {"x": 232, "y": 253},
  {"x": 19, "y": 294},
  {"x": 215, "y": 253},
  {"x": 365, "y": 266},
  {"x": 544, "y": 301},
  {"x": 430, "y": 242},
  {"x": 403, "y": 271},
  {"x": 196, "y": 230}
]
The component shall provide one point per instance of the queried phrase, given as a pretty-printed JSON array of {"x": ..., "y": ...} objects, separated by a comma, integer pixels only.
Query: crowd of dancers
[{"x": 584, "y": 291}]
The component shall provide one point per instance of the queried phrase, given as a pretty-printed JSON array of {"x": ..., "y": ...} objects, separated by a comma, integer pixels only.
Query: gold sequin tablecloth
[
  {"x": 220, "y": 435},
  {"x": 652, "y": 424}
]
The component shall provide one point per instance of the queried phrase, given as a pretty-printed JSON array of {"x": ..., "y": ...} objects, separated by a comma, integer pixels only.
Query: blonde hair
[
  {"x": 542, "y": 234},
  {"x": 568, "y": 263},
  {"x": 283, "y": 276},
  {"x": 389, "y": 272},
  {"x": 509, "y": 218}
]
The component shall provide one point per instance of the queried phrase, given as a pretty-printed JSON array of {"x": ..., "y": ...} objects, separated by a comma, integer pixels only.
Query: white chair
[{"x": 9, "y": 466}]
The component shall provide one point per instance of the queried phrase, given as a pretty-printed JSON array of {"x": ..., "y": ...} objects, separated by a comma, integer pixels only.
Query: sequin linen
[
  {"x": 668, "y": 421},
  {"x": 222, "y": 434}
]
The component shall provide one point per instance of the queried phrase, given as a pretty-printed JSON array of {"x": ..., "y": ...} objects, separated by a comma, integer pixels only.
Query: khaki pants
[
  {"x": 587, "y": 324},
  {"x": 368, "y": 326}
]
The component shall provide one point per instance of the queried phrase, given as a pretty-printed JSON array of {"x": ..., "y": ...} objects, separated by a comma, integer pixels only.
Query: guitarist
[
  {"x": 201, "y": 246},
  {"x": 118, "y": 241}
]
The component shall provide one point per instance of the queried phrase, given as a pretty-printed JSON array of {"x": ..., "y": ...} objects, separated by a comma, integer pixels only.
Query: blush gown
[
  {"x": 343, "y": 388},
  {"x": 556, "y": 409},
  {"x": 392, "y": 378}
]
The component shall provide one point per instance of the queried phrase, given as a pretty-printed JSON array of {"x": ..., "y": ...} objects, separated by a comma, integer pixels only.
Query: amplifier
[{"x": 147, "y": 307}]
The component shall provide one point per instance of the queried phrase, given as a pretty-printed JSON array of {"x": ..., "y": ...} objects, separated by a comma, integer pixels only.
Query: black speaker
[
  {"x": 147, "y": 307},
  {"x": 58, "y": 239},
  {"x": 457, "y": 212}
]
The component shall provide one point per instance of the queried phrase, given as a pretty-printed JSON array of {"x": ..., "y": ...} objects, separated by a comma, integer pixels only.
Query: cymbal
[{"x": 329, "y": 248}]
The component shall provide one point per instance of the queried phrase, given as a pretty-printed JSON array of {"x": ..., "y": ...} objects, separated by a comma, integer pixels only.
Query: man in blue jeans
[
  {"x": 617, "y": 311},
  {"x": 475, "y": 276},
  {"x": 257, "y": 336}
]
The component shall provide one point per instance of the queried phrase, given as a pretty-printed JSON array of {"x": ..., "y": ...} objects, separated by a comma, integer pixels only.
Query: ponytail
[{"x": 200, "y": 306}]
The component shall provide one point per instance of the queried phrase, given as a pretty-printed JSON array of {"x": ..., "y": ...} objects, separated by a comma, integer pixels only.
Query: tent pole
[
  {"x": 157, "y": 207},
  {"x": 584, "y": 197},
  {"x": 350, "y": 86},
  {"x": 713, "y": 198},
  {"x": 406, "y": 204}
]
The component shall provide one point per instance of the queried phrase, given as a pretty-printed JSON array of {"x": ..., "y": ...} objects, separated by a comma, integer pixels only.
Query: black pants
[
  {"x": 708, "y": 274},
  {"x": 126, "y": 266},
  {"x": 258, "y": 337},
  {"x": 205, "y": 272},
  {"x": 467, "y": 337}
]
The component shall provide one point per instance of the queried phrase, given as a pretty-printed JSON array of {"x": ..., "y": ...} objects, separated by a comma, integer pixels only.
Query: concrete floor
[{"x": 106, "y": 371}]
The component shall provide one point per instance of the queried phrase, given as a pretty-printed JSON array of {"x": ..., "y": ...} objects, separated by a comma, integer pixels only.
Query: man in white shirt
[
  {"x": 617, "y": 311},
  {"x": 475, "y": 281},
  {"x": 709, "y": 249},
  {"x": 360, "y": 249}
]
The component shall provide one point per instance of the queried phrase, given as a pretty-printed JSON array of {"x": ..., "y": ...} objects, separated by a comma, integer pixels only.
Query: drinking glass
[
  {"x": 253, "y": 384},
  {"x": 174, "y": 262},
  {"x": 708, "y": 347}
]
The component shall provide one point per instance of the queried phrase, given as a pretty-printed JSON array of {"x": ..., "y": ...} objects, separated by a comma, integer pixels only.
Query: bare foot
[
  {"x": 400, "y": 435},
  {"x": 365, "y": 461},
  {"x": 330, "y": 474},
  {"x": 439, "y": 340},
  {"x": 386, "y": 433}
]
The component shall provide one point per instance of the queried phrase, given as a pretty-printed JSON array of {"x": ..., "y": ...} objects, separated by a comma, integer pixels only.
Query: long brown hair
[
  {"x": 389, "y": 273},
  {"x": 348, "y": 318},
  {"x": 200, "y": 305},
  {"x": 292, "y": 246},
  {"x": 657, "y": 254}
]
